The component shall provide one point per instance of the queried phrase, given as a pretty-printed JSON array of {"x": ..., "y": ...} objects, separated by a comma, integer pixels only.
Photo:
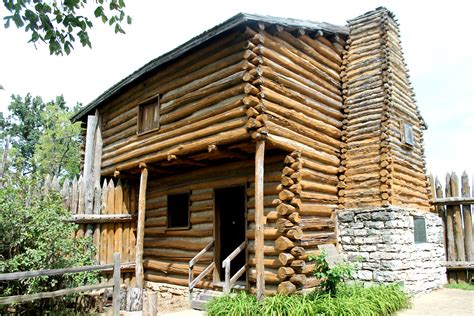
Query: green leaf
[
  {"x": 99, "y": 11},
  {"x": 129, "y": 19}
]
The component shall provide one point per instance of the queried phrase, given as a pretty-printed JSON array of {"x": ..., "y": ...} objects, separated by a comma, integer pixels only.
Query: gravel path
[{"x": 443, "y": 302}]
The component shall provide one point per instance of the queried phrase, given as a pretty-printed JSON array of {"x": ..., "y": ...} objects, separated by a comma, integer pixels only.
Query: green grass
[
  {"x": 461, "y": 286},
  {"x": 351, "y": 300}
]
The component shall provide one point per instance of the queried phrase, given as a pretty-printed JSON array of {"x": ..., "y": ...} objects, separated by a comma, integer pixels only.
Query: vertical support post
[
  {"x": 98, "y": 143},
  {"x": 116, "y": 280},
  {"x": 226, "y": 265},
  {"x": 88, "y": 182},
  {"x": 259, "y": 218},
  {"x": 141, "y": 226}
]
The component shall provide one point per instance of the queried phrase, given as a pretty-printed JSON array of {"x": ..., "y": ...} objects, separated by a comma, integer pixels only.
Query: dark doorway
[{"x": 230, "y": 233}]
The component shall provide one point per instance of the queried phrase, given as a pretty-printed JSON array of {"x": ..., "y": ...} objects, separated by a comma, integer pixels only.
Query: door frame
[{"x": 217, "y": 243}]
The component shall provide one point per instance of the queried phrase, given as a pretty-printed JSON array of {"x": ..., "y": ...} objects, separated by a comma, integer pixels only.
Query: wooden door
[{"x": 230, "y": 207}]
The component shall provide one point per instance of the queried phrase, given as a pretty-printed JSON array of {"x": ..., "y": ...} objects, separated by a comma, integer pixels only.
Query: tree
[
  {"x": 58, "y": 23},
  {"x": 24, "y": 126},
  {"x": 44, "y": 141},
  {"x": 58, "y": 151},
  {"x": 35, "y": 237}
]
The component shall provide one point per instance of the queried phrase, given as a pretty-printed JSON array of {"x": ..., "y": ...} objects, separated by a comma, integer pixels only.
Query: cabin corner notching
[{"x": 252, "y": 135}]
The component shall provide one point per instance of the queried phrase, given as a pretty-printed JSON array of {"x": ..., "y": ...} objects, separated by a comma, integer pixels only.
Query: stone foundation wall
[
  {"x": 383, "y": 240},
  {"x": 170, "y": 297}
]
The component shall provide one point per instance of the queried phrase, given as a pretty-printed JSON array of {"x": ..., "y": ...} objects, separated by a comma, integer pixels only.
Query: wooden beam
[
  {"x": 227, "y": 152},
  {"x": 259, "y": 218},
  {"x": 141, "y": 226},
  {"x": 173, "y": 160},
  {"x": 88, "y": 181},
  {"x": 100, "y": 218},
  {"x": 31, "y": 297},
  {"x": 454, "y": 201}
]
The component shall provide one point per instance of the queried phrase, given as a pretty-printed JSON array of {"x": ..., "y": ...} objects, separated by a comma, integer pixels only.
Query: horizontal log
[
  {"x": 185, "y": 243},
  {"x": 292, "y": 145},
  {"x": 170, "y": 267},
  {"x": 101, "y": 218},
  {"x": 138, "y": 149},
  {"x": 453, "y": 201},
  {"x": 219, "y": 112},
  {"x": 181, "y": 280},
  {"x": 459, "y": 265},
  {"x": 176, "y": 255},
  {"x": 223, "y": 138},
  {"x": 53, "y": 272}
]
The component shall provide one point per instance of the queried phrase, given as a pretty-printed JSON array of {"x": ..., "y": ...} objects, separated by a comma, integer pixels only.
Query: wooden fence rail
[
  {"x": 454, "y": 205},
  {"x": 115, "y": 284}
]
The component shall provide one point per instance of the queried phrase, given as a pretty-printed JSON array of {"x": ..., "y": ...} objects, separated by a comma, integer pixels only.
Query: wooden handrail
[
  {"x": 193, "y": 282},
  {"x": 229, "y": 282},
  {"x": 196, "y": 258},
  {"x": 234, "y": 253},
  {"x": 202, "y": 275}
]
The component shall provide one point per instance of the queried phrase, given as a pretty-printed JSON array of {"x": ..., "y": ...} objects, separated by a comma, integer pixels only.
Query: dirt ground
[{"x": 443, "y": 302}]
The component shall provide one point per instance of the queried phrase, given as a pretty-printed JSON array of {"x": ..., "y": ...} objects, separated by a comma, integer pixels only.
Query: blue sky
[{"x": 436, "y": 39}]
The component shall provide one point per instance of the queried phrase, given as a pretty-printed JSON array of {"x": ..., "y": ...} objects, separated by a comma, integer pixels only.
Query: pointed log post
[
  {"x": 141, "y": 226},
  {"x": 466, "y": 192},
  {"x": 458, "y": 229},
  {"x": 259, "y": 218},
  {"x": 88, "y": 181}
]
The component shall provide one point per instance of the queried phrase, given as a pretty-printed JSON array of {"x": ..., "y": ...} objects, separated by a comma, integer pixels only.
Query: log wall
[
  {"x": 202, "y": 102},
  {"x": 300, "y": 100},
  {"x": 167, "y": 252},
  {"x": 379, "y": 168}
]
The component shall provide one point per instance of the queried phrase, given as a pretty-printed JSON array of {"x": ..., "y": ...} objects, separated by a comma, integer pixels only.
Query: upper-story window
[
  {"x": 408, "y": 137},
  {"x": 149, "y": 115}
]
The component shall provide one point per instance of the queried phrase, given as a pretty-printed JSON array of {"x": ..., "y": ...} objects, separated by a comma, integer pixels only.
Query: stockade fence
[
  {"x": 115, "y": 284},
  {"x": 454, "y": 205},
  {"x": 108, "y": 217}
]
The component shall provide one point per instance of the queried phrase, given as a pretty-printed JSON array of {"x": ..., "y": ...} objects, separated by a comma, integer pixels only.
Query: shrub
[
  {"x": 34, "y": 237},
  {"x": 331, "y": 277}
]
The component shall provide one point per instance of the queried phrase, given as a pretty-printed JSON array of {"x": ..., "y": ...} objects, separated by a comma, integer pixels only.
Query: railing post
[
  {"x": 226, "y": 265},
  {"x": 190, "y": 288},
  {"x": 116, "y": 280}
]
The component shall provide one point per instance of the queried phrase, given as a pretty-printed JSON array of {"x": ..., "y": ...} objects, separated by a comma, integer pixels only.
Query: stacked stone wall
[{"x": 383, "y": 241}]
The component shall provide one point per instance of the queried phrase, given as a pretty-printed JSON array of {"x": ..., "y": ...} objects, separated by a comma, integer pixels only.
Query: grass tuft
[
  {"x": 350, "y": 300},
  {"x": 460, "y": 286}
]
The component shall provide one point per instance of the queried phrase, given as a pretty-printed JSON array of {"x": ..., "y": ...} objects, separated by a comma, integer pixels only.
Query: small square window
[
  {"x": 178, "y": 211},
  {"x": 408, "y": 137},
  {"x": 149, "y": 115},
  {"x": 419, "y": 226}
]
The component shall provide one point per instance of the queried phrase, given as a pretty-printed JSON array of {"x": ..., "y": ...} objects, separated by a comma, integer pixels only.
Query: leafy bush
[
  {"x": 331, "y": 277},
  {"x": 33, "y": 238},
  {"x": 352, "y": 299}
]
